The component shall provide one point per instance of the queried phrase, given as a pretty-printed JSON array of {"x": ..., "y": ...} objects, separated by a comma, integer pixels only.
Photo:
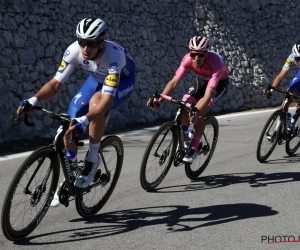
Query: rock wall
[{"x": 254, "y": 37}]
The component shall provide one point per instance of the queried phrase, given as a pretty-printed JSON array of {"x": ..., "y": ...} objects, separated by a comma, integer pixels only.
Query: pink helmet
[{"x": 199, "y": 43}]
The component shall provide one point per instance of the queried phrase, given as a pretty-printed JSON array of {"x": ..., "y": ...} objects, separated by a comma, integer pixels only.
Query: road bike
[
  {"x": 166, "y": 147},
  {"x": 32, "y": 188},
  {"x": 279, "y": 130}
]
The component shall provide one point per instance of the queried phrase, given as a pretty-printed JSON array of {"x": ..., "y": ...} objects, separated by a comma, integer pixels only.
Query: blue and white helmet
[
  {"x": 296, "y": 50},
  {"x": 91, "y": 28}
]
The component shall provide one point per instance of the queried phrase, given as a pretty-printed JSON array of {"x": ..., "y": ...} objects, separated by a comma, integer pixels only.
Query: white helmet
[
  {"x": 91, "y": 28},
  {"x": 296, "y": 50},
  {"x": 199, "y": 43}
]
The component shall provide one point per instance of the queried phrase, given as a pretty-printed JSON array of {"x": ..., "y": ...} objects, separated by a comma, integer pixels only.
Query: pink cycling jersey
[{"x": 214, "y": 69}]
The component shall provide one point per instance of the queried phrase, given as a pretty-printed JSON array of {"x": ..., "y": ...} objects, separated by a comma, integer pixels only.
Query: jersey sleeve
[
  {"x": 67, "y": 65},
  {"x": 288, "y": 62},
  {"x": 221, "y": 73},
  {"x": 116, "y": 63},
  {"x": 184, "y": 66}
]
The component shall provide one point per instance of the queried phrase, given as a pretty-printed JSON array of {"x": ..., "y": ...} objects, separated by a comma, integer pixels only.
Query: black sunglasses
[
  {"x": 82, "y": 43},
  {"x": 200, "y": 55}
]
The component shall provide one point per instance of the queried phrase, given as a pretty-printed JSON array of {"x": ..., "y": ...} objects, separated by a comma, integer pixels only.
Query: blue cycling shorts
[
  {"x": 79, "y": 105},
  {"x": 295, "y": 83}
]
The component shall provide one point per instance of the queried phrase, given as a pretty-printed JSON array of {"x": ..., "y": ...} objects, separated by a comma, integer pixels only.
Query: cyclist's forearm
[
  {"x": 171, "y": 86},
  {"x": 48, "y": 91},
  {"x": 276, "y": 82}
]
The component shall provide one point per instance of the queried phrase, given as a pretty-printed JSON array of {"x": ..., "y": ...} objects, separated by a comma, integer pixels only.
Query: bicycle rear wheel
[
  {"x": 158, "y": 156},
  {"x": 206, "y": 148},
  {"x": 269, "y": 136},
  {"x": 293, "y": 144},
  {"x": 30, "y": 194},
  {"x": 91, "y": 202}
]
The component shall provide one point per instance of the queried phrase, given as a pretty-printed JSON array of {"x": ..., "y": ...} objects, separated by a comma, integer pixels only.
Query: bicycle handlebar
[
  {"x": 288, "y": 93},
  {"x": 53, "y": 115},
  {"x": 171, "y": 99}
]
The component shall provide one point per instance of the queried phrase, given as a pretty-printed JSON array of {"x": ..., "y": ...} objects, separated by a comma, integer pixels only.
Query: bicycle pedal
[{"x": 63, "y": 195}]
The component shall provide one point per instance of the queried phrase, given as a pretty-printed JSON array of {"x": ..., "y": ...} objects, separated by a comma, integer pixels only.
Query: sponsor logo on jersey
[
  {"x": 288, "y": 62},
  {"x": 125, "y": 71},
  {"x": 66, "y": 54},
  {"x": 125, "y": 91},
  {"x": 113, "y": 70},
  {"x": 112, "y": 80},
  {"x": 85, "y": 62},
  {"x": 63, "y": 65},
  {"x": 109, "y": 90},
  {"x": 77, "y": 97},
  {"x": 113, "y": 64}
]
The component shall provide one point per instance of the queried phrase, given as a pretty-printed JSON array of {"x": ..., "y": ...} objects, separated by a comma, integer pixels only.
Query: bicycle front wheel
[
  {"x": 269, "y": 136},
  {"x": 206, "y": 148},
  {"x": 293, "y": 144},
  {"x": 91, "y": 202},
  {"x": 158, "y": 156},
  {"x": 30, "y": 194}
]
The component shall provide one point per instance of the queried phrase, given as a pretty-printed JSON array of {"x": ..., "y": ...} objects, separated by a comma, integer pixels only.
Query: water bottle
[
  {"x": 72, "y": 159},
  {"x": 191, "y": 134},
  {"x": 291, "y": 123}
]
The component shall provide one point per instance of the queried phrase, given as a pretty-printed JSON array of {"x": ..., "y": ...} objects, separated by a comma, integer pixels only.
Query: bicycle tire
[
  {"x": 195, "y": 169},
  {"x": 166, "y": 156},
  {"x": 274, "y": 138},
  {"x": 88, "y": 204},
  {"x": 293, "y": 144},
  {"x": 18, "y": 200}
]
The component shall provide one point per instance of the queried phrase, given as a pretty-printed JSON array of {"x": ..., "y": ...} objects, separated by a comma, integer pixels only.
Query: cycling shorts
[
  {"x": 200, "y": 85},
  {"x": 79, "y": 105},
  {"x": 295, "y": 83}
]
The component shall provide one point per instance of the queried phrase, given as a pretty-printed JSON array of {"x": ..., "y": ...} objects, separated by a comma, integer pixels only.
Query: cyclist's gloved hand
[
  {"x": 156, "y": 104},
  {"x": 28, "y": 104},
  {"x": 80, "y": 124},
  {"x": 194, "y": 118},
  {"x": 268, "y": 91}
]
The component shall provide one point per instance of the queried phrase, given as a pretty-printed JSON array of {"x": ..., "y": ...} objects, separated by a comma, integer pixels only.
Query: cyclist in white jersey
[
  {"x": 110, "y": 82},
  {"x": 294, "y": 85}
]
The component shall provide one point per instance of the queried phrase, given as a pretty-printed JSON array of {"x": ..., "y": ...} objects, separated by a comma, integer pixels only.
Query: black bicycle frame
[{"x": 58, "y": 142}]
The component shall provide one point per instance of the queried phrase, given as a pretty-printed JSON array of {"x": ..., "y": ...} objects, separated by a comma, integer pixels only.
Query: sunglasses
[
  {"x": 92, "y": 45},
  {"x": 200, "y": 55}
]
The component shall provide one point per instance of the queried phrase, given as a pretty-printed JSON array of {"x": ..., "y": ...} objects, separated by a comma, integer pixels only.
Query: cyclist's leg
[
  {"x": 294, "y": 87},
  {"x": 196, "y": 91},
  {"x": 103, "y": 100},
  {"x": 200, "y": 125},
  {"x": 79, "y": 105}
]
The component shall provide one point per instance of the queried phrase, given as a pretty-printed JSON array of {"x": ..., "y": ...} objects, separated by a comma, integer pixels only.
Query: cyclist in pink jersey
[{"x": 209, "y": 85}]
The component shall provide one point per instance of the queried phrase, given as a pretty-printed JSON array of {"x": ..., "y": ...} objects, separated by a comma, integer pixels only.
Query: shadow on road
[
  {"x": 216, "y": 181},
  {"x": 174, "y": 218}
]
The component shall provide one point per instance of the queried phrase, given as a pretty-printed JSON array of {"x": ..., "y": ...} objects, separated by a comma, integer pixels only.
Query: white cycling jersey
[
  {"x": 289, "y": 61},
  {"x": 112, "y": 61}
]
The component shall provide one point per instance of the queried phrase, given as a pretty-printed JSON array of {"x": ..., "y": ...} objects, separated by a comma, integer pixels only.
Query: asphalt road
[{"x": 237, "y": 203}]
